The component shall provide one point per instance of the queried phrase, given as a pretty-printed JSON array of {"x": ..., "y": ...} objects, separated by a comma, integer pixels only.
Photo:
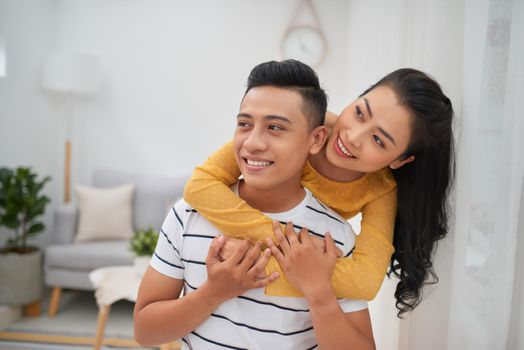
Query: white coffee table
[{"x": 112, "y": 284}]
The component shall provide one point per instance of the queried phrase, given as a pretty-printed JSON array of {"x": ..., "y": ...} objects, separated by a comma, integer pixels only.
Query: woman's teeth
[
  {"x": 344, "y": 149},
  {"x": 260, "y": 163}
]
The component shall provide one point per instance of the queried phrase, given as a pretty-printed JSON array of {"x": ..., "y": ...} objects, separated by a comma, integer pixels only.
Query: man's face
[{"x": 272, "y": 138}]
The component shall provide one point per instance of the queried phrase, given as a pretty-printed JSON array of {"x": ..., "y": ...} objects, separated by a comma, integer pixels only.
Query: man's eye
[
  {"x": 359, "y": 114},
  {"x": 242, "y": 124},
  {"x": 378, "y": 141},
  {"x": 275, "y": 127}
]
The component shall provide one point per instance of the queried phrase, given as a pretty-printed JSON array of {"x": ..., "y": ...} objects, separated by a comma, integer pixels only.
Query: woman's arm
[
  {"x": 208, "y": 192},
  {"x": 372, "y": 253},
  {"x": 356, "y": 277}
]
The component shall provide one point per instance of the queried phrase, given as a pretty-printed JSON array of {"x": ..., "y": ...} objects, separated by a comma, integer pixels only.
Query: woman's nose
[{"x": 354, "y": 136}]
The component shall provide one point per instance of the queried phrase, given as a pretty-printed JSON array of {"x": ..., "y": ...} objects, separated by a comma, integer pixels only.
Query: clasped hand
[
  {"x": 241, "y": 271},
  {"x": 235, "y": 266}
]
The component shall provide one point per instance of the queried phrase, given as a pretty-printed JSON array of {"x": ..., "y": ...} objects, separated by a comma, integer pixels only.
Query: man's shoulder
[{"x": 183, "y": 210}]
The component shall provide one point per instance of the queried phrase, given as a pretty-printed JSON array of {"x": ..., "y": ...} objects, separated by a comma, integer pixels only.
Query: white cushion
[{"x": 104, "y": 213}]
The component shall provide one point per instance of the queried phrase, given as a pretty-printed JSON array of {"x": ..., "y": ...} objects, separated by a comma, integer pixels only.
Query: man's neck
[{"x": 276, "y": 200}]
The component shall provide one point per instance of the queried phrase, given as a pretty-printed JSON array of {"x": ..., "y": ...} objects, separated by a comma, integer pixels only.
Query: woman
[{"x": 390, "y": 157}]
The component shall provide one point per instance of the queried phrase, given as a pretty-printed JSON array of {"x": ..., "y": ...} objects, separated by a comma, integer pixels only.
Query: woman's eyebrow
[
  {"x": 368, "y": 107},
  {"x": 384, "y": 132}
]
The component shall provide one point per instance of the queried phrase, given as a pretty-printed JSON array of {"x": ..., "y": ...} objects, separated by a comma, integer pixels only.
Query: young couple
[{"x": 402, "y": 122}]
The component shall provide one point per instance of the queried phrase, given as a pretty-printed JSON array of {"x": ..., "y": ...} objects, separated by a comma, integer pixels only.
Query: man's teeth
[
  {"x": 258, "y": 162},
  {"x": 344, "y": 149}
]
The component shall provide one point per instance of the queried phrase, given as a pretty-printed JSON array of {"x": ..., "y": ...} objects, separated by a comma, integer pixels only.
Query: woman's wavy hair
[{"x": 423, "y": 185}]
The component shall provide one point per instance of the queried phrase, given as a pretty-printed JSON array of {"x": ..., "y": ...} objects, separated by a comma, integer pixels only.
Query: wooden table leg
[
  {"x": 103, "y": 314},
  {"x": 55, "y": 300},
  {"x": 33, "y": 309}
]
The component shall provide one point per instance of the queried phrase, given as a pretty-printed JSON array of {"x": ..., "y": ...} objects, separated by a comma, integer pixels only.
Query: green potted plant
[
  {"x": 21, "y": 207},
  {"x": 143, "y": 244}
]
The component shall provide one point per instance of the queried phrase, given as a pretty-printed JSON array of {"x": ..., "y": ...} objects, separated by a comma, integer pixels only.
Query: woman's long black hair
[{"x": 423, "y": 185}]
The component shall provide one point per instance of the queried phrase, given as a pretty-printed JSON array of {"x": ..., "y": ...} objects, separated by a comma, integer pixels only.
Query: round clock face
[{"x": 306, "y": 44}]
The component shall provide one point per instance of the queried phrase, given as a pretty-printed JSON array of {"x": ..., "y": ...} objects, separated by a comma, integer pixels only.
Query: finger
[
  {"x": 259, "y": 266},
  {"x": 279, "y": 235},
  {"x": 260, "y": 283},
  {"x": 251, "y": 256},
  {"x": 291, "y": 235},
  {"x": 213, "y": 254},
  {"x": 331, "y": 249},
  {"x": 275, "y": 251},
  {"x": 304, "y": 236},
  {"x": 238, "y": 255},
  {"x": 284, "y": 243}
]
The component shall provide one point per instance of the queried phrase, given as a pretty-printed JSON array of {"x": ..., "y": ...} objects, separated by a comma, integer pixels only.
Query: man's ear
[
  {"x": 317, "y": 139},
  {"x": 401, "y": 161}
]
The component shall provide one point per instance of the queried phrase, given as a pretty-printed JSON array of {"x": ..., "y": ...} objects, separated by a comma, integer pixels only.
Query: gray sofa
[{"x": 67, "y": 265}]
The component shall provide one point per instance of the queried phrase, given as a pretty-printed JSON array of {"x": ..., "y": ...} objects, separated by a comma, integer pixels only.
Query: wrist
[
  {"x": 319, "y": 294},
  {"x": 210, "y": 295}
]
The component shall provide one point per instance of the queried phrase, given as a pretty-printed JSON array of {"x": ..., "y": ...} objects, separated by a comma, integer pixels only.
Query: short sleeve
[
  {"x": 352, "y": 305},
  {"x": 167, "y": 257}
]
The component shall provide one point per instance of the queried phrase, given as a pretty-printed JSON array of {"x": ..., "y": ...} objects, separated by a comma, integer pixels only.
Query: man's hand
[
  {"x": 238, "y": 273},
  {"x": 306, "y": 267}
]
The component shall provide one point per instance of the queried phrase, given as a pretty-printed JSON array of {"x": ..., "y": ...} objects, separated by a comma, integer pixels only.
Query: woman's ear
[
  {"x": 401, "y": 161},
  {"x": 317, "y": 139}
]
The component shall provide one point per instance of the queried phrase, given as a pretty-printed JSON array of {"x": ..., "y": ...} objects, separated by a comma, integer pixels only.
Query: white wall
[
  {"x": 29, "y": 130},
  {"x": 428, "y": 35},
  {"x": 173, "y": 75}
]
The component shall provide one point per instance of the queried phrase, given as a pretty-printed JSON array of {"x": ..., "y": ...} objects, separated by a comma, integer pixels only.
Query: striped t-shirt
[{"x": 252, "y": 320}]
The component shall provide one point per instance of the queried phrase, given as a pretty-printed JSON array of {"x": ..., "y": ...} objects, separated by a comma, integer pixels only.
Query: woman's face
[{"x": 371, "y": 133}]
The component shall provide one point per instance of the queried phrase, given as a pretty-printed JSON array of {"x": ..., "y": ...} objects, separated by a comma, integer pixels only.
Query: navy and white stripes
[{"x": 252, "y": 320}]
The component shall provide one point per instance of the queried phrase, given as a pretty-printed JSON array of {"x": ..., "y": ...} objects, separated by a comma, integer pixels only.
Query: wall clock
[{"x": 305, "y": 42}]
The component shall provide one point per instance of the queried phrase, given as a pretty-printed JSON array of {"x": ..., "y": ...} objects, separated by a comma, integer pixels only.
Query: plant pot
[
  {"x": 21, "y": 277},
  {"x": 140, "y": 264}
]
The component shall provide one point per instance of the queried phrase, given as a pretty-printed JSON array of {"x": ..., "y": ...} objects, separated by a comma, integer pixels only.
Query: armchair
[{"x": 67, "y": 264}]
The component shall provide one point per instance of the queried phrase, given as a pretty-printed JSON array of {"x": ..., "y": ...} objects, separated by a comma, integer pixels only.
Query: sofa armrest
[{"x": 65, "y": 224}]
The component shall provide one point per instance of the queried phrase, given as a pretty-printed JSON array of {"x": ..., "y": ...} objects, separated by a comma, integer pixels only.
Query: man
[{"x": 279, "y": 124}]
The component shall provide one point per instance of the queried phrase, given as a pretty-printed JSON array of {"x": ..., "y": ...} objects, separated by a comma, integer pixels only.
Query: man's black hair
[{"x": 296, "y": 76}]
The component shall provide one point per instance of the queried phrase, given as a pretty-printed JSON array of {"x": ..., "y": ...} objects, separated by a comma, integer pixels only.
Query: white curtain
[
  {"x": 475, "y": 49},
  {"x": 489, "y": 178}
]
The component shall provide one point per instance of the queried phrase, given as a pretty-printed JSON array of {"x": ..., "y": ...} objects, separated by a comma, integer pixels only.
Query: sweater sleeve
[
  {"x": 208, "y": 192},
  {"x": 361, "y": 275}
]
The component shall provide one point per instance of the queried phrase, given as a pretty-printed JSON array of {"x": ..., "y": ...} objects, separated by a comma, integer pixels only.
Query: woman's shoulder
[{"x": 382, "y": 178}]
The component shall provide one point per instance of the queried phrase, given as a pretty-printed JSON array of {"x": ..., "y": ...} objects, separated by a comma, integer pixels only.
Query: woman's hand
[{"x": 308, "y": 268}]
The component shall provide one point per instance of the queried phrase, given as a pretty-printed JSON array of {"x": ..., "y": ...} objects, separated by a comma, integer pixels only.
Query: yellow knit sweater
[{"x": 375, "y": 195}]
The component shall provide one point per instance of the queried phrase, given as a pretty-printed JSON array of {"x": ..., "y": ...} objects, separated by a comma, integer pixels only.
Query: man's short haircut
[{"x": 295, "y": 76}]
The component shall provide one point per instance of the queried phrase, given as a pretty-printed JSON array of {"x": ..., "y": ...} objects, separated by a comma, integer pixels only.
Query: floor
[{"x": 77, "y": 317}]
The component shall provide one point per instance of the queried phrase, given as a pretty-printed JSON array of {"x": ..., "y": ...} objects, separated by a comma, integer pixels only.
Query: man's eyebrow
[
  {"x": 243, "y": 115},
  {"x": 278, "y": 117},
  {"x": 268, "y": 117}
]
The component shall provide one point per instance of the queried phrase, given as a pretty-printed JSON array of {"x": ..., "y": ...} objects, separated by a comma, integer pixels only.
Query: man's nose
[{"x": 255, "y": 141}]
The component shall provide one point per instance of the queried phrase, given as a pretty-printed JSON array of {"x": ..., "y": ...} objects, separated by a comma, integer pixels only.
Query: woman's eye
[
  {"x": 359, "y": 113},
  {"x": 378, "y": 141}
]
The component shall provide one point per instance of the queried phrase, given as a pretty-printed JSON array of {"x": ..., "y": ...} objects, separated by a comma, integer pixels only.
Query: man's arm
[
  {"x": 161, "y": 316},
  {"x": 310, "y": 271}
]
